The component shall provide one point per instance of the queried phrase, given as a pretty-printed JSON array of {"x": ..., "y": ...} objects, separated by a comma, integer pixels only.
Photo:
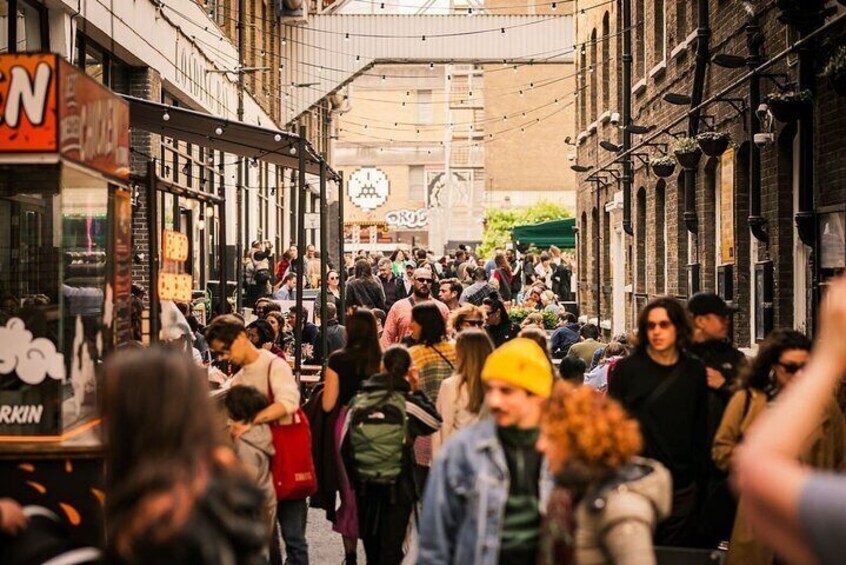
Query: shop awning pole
[
  {"x": 153, "y": 250},
  {"x": 301, "y": 264},
  {"x": 324, "y": 262},
  {"x": 223, "y": 306},
  {"x": 342, "y": 267}
]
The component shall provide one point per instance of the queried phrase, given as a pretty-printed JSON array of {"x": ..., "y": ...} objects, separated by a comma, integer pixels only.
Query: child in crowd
[{"x": 254, "y": 447}]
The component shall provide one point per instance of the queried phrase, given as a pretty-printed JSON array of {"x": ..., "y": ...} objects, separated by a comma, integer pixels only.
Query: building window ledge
[
  {"x": 639, "y": 87},
  {"x": 605, "y": 117},
  {"x": 582, "y": 137},
  {"x": 592, "y": 128},
  {"x": 658, "y": 69},
  {"x": 690, "y": 37},
  {"x": 679, "y": 49}
]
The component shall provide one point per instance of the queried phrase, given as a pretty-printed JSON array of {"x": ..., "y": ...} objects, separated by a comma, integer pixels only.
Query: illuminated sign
[{"x": 175, "y": 246}]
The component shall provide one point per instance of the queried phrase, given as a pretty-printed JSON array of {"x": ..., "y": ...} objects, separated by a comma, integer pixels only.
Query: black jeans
[
  {"x": 679, "y": 529},
  {"x": 383, "y": 514}
]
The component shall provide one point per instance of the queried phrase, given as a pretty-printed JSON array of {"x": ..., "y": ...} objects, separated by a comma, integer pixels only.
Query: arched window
[
  {"x": 660, "y": 238},
  {"x": 581, "y": 94},
  {"x": 640, "y": 235},
  {"x": 583, "y": 239},
  {"x": 594, "y": 94},
  {"x": 681, "y": 20},
  {"x": 640, "y": 34},
  {"x": 658, "y": 37},
  {"x": 605, "y": 63},
  {"x": 710, "y": 242}
]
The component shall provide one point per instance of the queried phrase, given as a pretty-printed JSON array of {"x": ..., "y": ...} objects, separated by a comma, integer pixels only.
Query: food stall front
[{"x": 65, "y": 279}]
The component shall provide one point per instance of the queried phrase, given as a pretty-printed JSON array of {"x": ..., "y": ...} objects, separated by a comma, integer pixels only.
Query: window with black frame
[{"x": 23, "y": 27}]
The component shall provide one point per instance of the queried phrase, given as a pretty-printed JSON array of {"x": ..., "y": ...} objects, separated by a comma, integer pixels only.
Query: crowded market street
[{"x": 476, "y": 282}]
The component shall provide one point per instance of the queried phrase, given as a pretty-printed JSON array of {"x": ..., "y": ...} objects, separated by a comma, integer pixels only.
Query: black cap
[{"x": 704, "y": 303}]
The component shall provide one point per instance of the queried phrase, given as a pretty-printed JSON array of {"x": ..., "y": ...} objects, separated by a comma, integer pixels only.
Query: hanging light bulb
[
  {"x": 166, "y": 116},
  {"x": 346, "y": 37},
  {"x": 218, "y": 130},
  {"x": 277, "y": 138},
  {"x": 554, "y": 6},
  {"x": 201, "y": 224}
]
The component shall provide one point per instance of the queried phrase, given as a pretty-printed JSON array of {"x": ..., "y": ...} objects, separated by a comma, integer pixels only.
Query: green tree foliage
[{"x": 498, "y": 223}]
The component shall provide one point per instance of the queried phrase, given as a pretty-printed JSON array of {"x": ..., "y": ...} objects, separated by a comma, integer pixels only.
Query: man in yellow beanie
[{"x": 483, "y": 500}]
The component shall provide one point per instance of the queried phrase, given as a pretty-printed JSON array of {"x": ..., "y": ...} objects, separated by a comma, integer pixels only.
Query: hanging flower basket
[
  {"x": 663, "y": 166},
  {"x": 787, "y": 107},
  {"x": 835, "y": 70},
  {"x": 713, "y": 143},
  {"x": 687, "y": 152}
]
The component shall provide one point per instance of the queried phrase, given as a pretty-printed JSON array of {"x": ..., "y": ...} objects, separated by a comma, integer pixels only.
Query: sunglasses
[
  {"x": 664, "y": 325},
  {"x": 425, "y": 281},
  {"x": 474, "y": 323},
  {"x": 791, "y": 368}
]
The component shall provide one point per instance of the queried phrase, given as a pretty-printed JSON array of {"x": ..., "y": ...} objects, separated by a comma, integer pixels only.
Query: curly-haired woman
[
  {"x": 607, "y": 501},
  {"x": 780, "y": 358}
]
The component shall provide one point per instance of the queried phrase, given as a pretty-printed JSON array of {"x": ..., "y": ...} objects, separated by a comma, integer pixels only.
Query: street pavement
[{"x": 324, "y": 545}]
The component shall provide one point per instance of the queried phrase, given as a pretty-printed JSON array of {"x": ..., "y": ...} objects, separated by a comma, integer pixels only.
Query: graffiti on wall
[{"x": 408, "y": 219}]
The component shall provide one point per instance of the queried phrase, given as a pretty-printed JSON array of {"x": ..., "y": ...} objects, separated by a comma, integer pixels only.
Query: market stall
[{"x": 65, "y": 279}]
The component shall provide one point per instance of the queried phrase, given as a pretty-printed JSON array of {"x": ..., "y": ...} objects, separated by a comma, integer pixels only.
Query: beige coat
[
  {"x": 452, "y": 406},
  {"x": 824, "y": 450},
  {"x": 620, "y": 532}
]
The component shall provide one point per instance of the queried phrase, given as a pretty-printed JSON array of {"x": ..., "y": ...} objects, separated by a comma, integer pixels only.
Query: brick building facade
[{"x": 675, "y": 248}]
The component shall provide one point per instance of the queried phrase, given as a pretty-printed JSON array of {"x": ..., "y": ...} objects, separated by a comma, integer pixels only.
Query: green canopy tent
[{"x": 560, "y": 233}]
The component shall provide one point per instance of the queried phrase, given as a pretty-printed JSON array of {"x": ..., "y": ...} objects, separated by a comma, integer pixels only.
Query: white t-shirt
[{"x": 285, "y": 389}]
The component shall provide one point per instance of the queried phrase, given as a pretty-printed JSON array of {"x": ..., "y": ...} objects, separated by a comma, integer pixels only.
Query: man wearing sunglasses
[
  {"x": 398, "y": 323},
  {"x": 667, "y": 391},
  {"x": 711, "y": 318}
]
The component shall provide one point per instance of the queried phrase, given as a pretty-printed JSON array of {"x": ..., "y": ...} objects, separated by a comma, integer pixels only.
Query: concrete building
[{"x": 766, "y": 241}]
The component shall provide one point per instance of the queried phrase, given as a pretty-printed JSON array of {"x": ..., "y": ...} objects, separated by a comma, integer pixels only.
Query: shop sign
[
  {"x": 48, "y": 105},
  {"x": 94, "y": 124},
  {"x": 28, "y": 103},
  {"x": 408, "y": 219},
  {"x": 727, "y": 207}
]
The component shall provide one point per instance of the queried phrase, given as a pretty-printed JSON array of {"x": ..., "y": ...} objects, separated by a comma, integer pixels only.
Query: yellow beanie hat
[{"x": 520, "y": 362}]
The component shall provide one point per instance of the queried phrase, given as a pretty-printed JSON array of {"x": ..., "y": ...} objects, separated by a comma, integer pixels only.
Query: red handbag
[{"x": 292, "y": 466}]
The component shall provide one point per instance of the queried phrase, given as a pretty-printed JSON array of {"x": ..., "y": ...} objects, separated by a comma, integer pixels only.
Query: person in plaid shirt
[{"x": 434, "y": 360}]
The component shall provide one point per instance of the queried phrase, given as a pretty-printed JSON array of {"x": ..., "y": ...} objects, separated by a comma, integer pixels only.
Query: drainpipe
[
  {"x": 805, "y": 218},
  {"x": 703, "y": 36},
  {"x": 239, "y": 183},
  {"x": 627, "y": 116},
  {"x": 754, "y": 41},
  {"x": 598, "y": 253}
]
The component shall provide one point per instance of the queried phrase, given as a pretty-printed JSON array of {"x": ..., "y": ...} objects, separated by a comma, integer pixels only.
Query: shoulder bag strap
[
  {"x": 662, "y": 387},
  {"x": 269, "y": 387},
  {"x": 442, "y": 356}
]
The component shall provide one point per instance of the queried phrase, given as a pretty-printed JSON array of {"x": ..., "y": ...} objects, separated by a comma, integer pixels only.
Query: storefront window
[{"x": 54, "y": 231}]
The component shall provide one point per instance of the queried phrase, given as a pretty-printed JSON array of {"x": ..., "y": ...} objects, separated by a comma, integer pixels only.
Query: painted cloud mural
[{"x": 33, "y": 360}]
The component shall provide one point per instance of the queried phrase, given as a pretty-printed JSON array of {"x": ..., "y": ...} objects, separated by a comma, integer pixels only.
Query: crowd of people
[{"x": 443, "y": 431}]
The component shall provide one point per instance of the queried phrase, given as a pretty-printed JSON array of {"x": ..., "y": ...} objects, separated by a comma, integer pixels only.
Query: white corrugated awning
[{"x": 330, "y": 50}]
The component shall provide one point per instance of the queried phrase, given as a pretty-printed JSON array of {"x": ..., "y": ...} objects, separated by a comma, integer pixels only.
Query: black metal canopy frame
[{"x": 271, "y": 145}]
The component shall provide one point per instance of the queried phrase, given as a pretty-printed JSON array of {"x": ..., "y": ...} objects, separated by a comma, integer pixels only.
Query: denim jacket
[{"x": 464, "y": 501}]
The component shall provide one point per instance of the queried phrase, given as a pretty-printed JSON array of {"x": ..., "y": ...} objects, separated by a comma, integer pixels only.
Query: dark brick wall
[
  {"x": 727, "y": 21},
  {"x": 143, "y": 83}
]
